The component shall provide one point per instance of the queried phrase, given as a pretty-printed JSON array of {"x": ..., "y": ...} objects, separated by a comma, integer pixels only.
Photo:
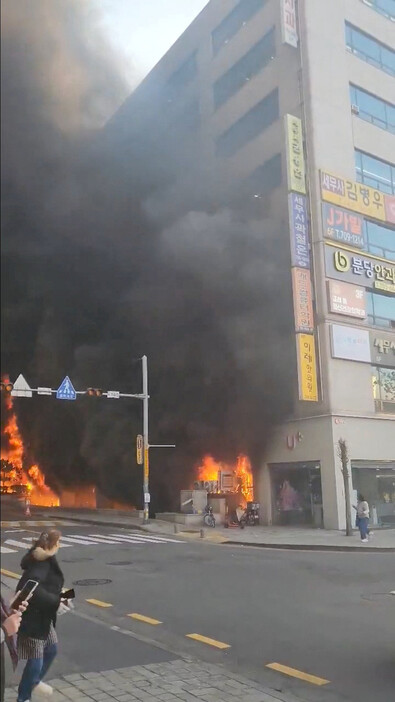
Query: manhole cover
[
  {"x": 121, "y": 563},
  {"x": 92, "y": 581}
]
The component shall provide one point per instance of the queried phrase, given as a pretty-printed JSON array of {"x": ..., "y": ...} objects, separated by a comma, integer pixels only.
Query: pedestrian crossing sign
[{"x": 66, "y": 390}]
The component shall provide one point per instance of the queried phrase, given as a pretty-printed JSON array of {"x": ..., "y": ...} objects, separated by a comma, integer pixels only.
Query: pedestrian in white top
[{"x": 363, "y": 518}]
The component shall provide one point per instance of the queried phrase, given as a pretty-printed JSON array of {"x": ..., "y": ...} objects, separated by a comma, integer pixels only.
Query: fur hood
[{"x": 37, "y": 553}]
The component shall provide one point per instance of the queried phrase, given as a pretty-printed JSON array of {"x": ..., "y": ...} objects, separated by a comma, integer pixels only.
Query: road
[{"x": 330, "y": 615}]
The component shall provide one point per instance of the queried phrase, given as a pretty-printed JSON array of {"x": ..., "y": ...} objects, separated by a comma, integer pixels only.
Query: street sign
[
  {"x": 65, "y": 390},
  {"x": 139, "y": 449},
  {"x": 147, "y": 497},
  {"x": 44, "y": 391},
  {"x": 113, "y": 394},
  {"x": 21, "y": 388}
]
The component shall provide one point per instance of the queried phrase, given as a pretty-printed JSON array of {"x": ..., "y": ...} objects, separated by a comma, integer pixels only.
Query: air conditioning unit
[{"x": 355, "y": 109}]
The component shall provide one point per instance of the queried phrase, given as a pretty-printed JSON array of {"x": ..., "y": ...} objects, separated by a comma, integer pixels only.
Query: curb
[{"x": 315, "y": 547}]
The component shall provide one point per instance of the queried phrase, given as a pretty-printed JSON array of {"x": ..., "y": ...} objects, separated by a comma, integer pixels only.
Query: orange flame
[
  {"x": 210, "y": 468},
  {"x": 30, "y": 481}
]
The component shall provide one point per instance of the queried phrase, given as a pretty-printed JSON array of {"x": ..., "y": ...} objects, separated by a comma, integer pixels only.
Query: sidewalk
[
  {"x": 261, "y": 536},
  {"x": 178, "y": 681}
]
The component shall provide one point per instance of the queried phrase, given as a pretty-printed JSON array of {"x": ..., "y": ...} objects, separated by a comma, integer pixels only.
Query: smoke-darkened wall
[{"x": 106, "y": 256}]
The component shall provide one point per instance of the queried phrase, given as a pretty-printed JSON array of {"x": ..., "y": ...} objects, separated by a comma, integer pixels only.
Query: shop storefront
[
  {"x": 296, "y": 494},
  {"x": 376, "y": 482}
]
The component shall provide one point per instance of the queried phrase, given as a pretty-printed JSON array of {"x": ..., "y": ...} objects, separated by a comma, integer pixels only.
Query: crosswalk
[{"x": 117, "y": 539}]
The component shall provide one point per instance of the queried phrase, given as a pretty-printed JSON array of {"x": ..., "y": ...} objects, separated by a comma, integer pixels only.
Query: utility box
[{"x": 193, "y": 501}]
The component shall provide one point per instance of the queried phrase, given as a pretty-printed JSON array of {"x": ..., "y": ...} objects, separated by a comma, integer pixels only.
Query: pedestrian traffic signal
[
  {"x": 94, "y": 392},
  {"x": 7, "y": 387}
]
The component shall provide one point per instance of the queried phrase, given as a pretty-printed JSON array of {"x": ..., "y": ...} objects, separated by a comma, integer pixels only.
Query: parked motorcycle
[{"x": 209, "y": 518}]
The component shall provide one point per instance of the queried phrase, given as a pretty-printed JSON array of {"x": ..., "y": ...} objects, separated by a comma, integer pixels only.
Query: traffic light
[
  {"x": 94, "y": 392},
  {"x": 6, "y": 387}
]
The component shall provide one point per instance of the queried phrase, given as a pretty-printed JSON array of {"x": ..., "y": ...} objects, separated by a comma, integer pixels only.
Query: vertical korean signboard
[
  {"x": 307, "y": 368},
  {"x": 295, "y": 155},
  {"x": 289, "y": 30}
]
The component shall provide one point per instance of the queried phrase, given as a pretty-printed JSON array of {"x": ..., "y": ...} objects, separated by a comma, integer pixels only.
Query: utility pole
[{"x": 146, "y": 497}]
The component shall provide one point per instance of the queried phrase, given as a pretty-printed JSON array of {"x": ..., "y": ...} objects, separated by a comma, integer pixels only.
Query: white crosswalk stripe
[{"x": 120, "y": 539}]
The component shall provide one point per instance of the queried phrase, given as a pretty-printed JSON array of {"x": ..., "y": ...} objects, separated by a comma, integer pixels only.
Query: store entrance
[{"x": 296, "y": 494}]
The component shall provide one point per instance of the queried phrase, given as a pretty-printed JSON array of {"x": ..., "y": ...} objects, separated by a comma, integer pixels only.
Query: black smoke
[{"x": 105, "y": 259}]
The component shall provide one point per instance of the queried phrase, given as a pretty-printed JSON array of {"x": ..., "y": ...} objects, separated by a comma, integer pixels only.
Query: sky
[{"x": 143, "y": 30}]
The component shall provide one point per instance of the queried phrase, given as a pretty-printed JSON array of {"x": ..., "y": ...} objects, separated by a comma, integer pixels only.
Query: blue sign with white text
[
  {"x": 66, "y": 390},
  {"x": 299, "y": 223}
]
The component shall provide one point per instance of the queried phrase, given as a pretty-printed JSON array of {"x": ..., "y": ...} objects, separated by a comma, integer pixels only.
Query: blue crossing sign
[{"x": 66, "y": 390}]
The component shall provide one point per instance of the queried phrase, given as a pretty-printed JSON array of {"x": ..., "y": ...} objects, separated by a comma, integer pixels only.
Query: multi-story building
[{"x": 294, "y": 100}]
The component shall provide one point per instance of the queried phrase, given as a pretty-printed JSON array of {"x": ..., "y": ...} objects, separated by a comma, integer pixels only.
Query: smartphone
[
  {"x": 68, "y": 594},
  {"x": 25, "y": 594}
]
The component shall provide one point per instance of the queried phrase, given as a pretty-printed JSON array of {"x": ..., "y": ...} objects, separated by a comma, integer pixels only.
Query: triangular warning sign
[
  {"x": 21, "y": 387},
  {"x": 66, "y": 390}
]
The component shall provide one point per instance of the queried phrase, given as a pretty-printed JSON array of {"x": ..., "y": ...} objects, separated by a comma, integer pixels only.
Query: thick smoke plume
[{"x": 104, "y": 260}]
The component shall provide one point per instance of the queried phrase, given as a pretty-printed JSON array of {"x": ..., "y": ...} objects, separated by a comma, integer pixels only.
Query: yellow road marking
[
  {"x": 297, "y": 674},
  {"x": 10, "y": 574},
  {"x": 99, "y": 603},
  {"x": 206, "y": 640},
  {"x": 142, "y": 618}
]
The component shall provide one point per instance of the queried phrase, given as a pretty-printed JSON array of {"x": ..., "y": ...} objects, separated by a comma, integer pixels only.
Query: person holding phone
[
  {"x": 37, "y": 639},
  {"x": 10, "y": 623}
]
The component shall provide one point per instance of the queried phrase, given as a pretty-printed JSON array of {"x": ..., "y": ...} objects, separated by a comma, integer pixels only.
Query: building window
[
  {"x": 384, "y": 7},
  {"x": 373, "y": 109},
  {"x": 381, "y": 310},
  {"x": 370, "y": 50},
  {"x": 236, "y": 19},
  {"x": 375, "y": 172},
  {"x": 242, "y": 71},
  {"x": 384, "y": 389},
  {"x": 183, "y": 75},
  {"x": 249, "y": 126},
  {"x": 264, "y": 179},
  {"x": 380, "y": 240}
]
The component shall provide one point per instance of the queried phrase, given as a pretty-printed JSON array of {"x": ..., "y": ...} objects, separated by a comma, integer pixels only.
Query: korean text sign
[
  {"x": 307, "y": 368},
  {"x": 382, "y": 347},
  {"x": 299, "y": 225},
  {"x": 295, "y": 155},
  {"x": 350, "y": 343},
  {"x": 342, "y": 226},
  {"x": 288, "y": 23},
  {"x": 353, "y": 196},
  {"x": 346, "y": 299},
  {"x": 364, "y": 270},
  {"x": 303, "y": 301}
]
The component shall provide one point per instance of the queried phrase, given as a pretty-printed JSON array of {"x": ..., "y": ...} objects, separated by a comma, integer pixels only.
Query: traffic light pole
[{"x": 146, "y": 497}]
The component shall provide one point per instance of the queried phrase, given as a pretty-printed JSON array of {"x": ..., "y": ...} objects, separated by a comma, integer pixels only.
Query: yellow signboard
[
  {"x": 354, "y": 196},
  {"x": 295, "y": 156},
  {"x": 307, "y": 368}
]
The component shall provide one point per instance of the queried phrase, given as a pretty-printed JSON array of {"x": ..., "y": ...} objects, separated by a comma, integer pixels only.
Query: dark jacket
[{"x": 41, "y": 565}]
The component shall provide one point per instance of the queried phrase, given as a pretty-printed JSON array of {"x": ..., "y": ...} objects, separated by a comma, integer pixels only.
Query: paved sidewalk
[
  {"x": 265, "y": 537},
  {"x": 178, "y": 681}
]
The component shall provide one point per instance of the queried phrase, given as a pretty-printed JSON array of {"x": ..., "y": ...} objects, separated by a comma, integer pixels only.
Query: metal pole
[{"x": 145, "y": 439}]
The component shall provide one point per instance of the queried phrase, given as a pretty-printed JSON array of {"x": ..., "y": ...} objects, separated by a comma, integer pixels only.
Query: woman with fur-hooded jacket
[{"x": 37, "y": 640}]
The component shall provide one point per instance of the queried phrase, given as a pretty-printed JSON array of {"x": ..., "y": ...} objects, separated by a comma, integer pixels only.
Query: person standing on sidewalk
[
  {"x": 363, "y": 518},
  {"x": 37, "y": 639},
  {"x": 10, "y": 623}
]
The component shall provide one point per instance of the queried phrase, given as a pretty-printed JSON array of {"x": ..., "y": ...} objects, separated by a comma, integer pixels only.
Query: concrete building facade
[{"x": 294, "y": 99}]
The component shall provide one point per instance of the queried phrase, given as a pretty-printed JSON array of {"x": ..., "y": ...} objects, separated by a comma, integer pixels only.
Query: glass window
[
  {"x": 373, "y": 109},
  {"x": 384, "y": 389},
  {"x": 380, "y": 240},
  {"x": 184, "y": 74},
  {"x": 370, "y": 50},
  {"x": 249, "y": 126},
  {"x": 384, "y": 7},
  {"x": 243, "y": 12},
  {"x": 375, "y": 172},
  {"x": 242, "y": 71},
  {"x": 264, "y": 179},
  {"x": 381, "y": 309}
]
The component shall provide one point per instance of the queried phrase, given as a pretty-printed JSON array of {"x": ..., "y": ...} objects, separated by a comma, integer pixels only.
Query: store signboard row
[
  {"x": 364, "y": 270},
  {"x": 307, "y": 367},
  {"x": 299, "y": 226},
  {"x": 356, "y": 344},
  {"x": 357, "y": 197}
]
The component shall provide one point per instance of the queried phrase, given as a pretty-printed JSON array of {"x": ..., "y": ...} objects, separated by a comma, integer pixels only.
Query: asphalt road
[{"x": 330, "y": 615}]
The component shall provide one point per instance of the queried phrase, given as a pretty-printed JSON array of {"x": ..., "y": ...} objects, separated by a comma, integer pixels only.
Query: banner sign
[
  {"x": 367, "y": 271},
  {"x": 347, "y": 299},
  {"x": 303, "y": 300},
  {"x": 350, "y": 343},
  {"x": 343, "y": 226},
  {"x": 382, "y": 347},
  {"x": 295, "y": 156},
  {"x": 353, "y": 196},
  {"x": 288, "y": 23},
  {"x": 307, "y": 368},
  {"x": 299, "y": 225}
]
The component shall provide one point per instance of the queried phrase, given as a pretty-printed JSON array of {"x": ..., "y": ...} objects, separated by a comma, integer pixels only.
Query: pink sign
[{"x": 389, "y": 201}]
